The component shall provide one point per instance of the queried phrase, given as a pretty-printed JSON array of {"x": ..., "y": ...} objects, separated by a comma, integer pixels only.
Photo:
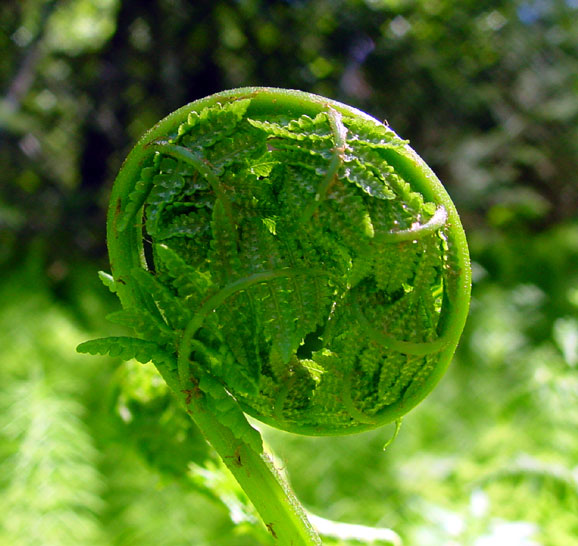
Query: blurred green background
[{"x": 93, "y": 451}]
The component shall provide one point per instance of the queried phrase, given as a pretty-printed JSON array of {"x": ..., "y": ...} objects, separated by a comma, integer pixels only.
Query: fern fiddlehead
[{"x": 287, "y": 255}]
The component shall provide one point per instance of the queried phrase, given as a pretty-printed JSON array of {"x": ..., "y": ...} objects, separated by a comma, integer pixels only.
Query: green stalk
[
  {"x": 280, "y": 510},
  {"x": 272, "y": 497}
]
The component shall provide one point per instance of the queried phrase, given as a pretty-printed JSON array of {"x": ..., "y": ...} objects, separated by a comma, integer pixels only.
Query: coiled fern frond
[{"x": 299, "y": 252}]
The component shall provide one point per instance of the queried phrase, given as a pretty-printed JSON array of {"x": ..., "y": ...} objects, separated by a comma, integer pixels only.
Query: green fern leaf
[
  {"x": 262, "y": 166},
  {"x": 108, "y": 281},
  {"x": 327, "y": 400},
  {"x": 366, "y": 168},
  {"x": 415, "y": 366},
  {"x": 296, "y": 188},
  {"x": 224, "y": 255},
  {"x": 193, "y": 226},
  {"x": 350, "y": 206},
  {"x": 254, "y": 196},
  {"x": 311, "y": 160},
  {"x": 394, "y": 265},
  {"x": 310, "y": 292},
  {"x": 170, "y": 306},
  {"x": 167, "y": 186},
  {"x": 211, "y": 124},
  {"x": 347, "y": 234},
  {"x": 128, "y": 348},
  {"x": 191, "y": 284},
  {"x": 367, "y": 179},
  {"x": 241, "y": 147},
  {"x": 261, "y": 252},
  {"x": 230, "y": 362},
  {"x": 144, "y": 324},
  {"x": 302, "y": 128},
  {"x": 372, "y": 135},
  {"x": 48, "y": 449},
  {"x": 390, "y": 366},
  {"x": 241, "y": 333}
]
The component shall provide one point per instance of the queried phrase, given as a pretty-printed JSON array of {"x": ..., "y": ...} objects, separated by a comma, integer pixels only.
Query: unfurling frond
[{"x": 301, "y": 260}]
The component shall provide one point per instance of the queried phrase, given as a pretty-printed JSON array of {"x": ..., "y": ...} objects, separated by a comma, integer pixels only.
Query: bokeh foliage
[{"x": 94, "y": 452}]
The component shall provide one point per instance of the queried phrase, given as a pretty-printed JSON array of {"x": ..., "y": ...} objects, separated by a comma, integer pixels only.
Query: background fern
[{"x": 47, "y": 445}]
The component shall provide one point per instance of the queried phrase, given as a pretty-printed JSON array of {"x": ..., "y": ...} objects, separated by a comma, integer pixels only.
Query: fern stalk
[
  {"x": 286, "y": 256},
  {"x": 278, "y": 507}
]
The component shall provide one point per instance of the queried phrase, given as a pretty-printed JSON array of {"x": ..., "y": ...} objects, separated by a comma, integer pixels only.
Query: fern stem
[{"x": 276, "y": 503}]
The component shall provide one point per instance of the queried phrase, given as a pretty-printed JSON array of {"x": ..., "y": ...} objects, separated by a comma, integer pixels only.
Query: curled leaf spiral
[{"x": 294, "y": 251}]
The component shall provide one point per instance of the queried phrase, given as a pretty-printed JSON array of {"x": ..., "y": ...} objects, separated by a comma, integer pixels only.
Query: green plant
[{"x": 283, "y": 255}]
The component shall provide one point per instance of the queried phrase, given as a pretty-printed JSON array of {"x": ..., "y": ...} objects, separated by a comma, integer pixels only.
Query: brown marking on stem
[
  {"x": 189, "y": 396},
  {"x": 117, "y": 213},
  {"x": 118, "y": 208},
  {"x": 271, "y": 530},
  {"x": 237, "y": 460}
]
